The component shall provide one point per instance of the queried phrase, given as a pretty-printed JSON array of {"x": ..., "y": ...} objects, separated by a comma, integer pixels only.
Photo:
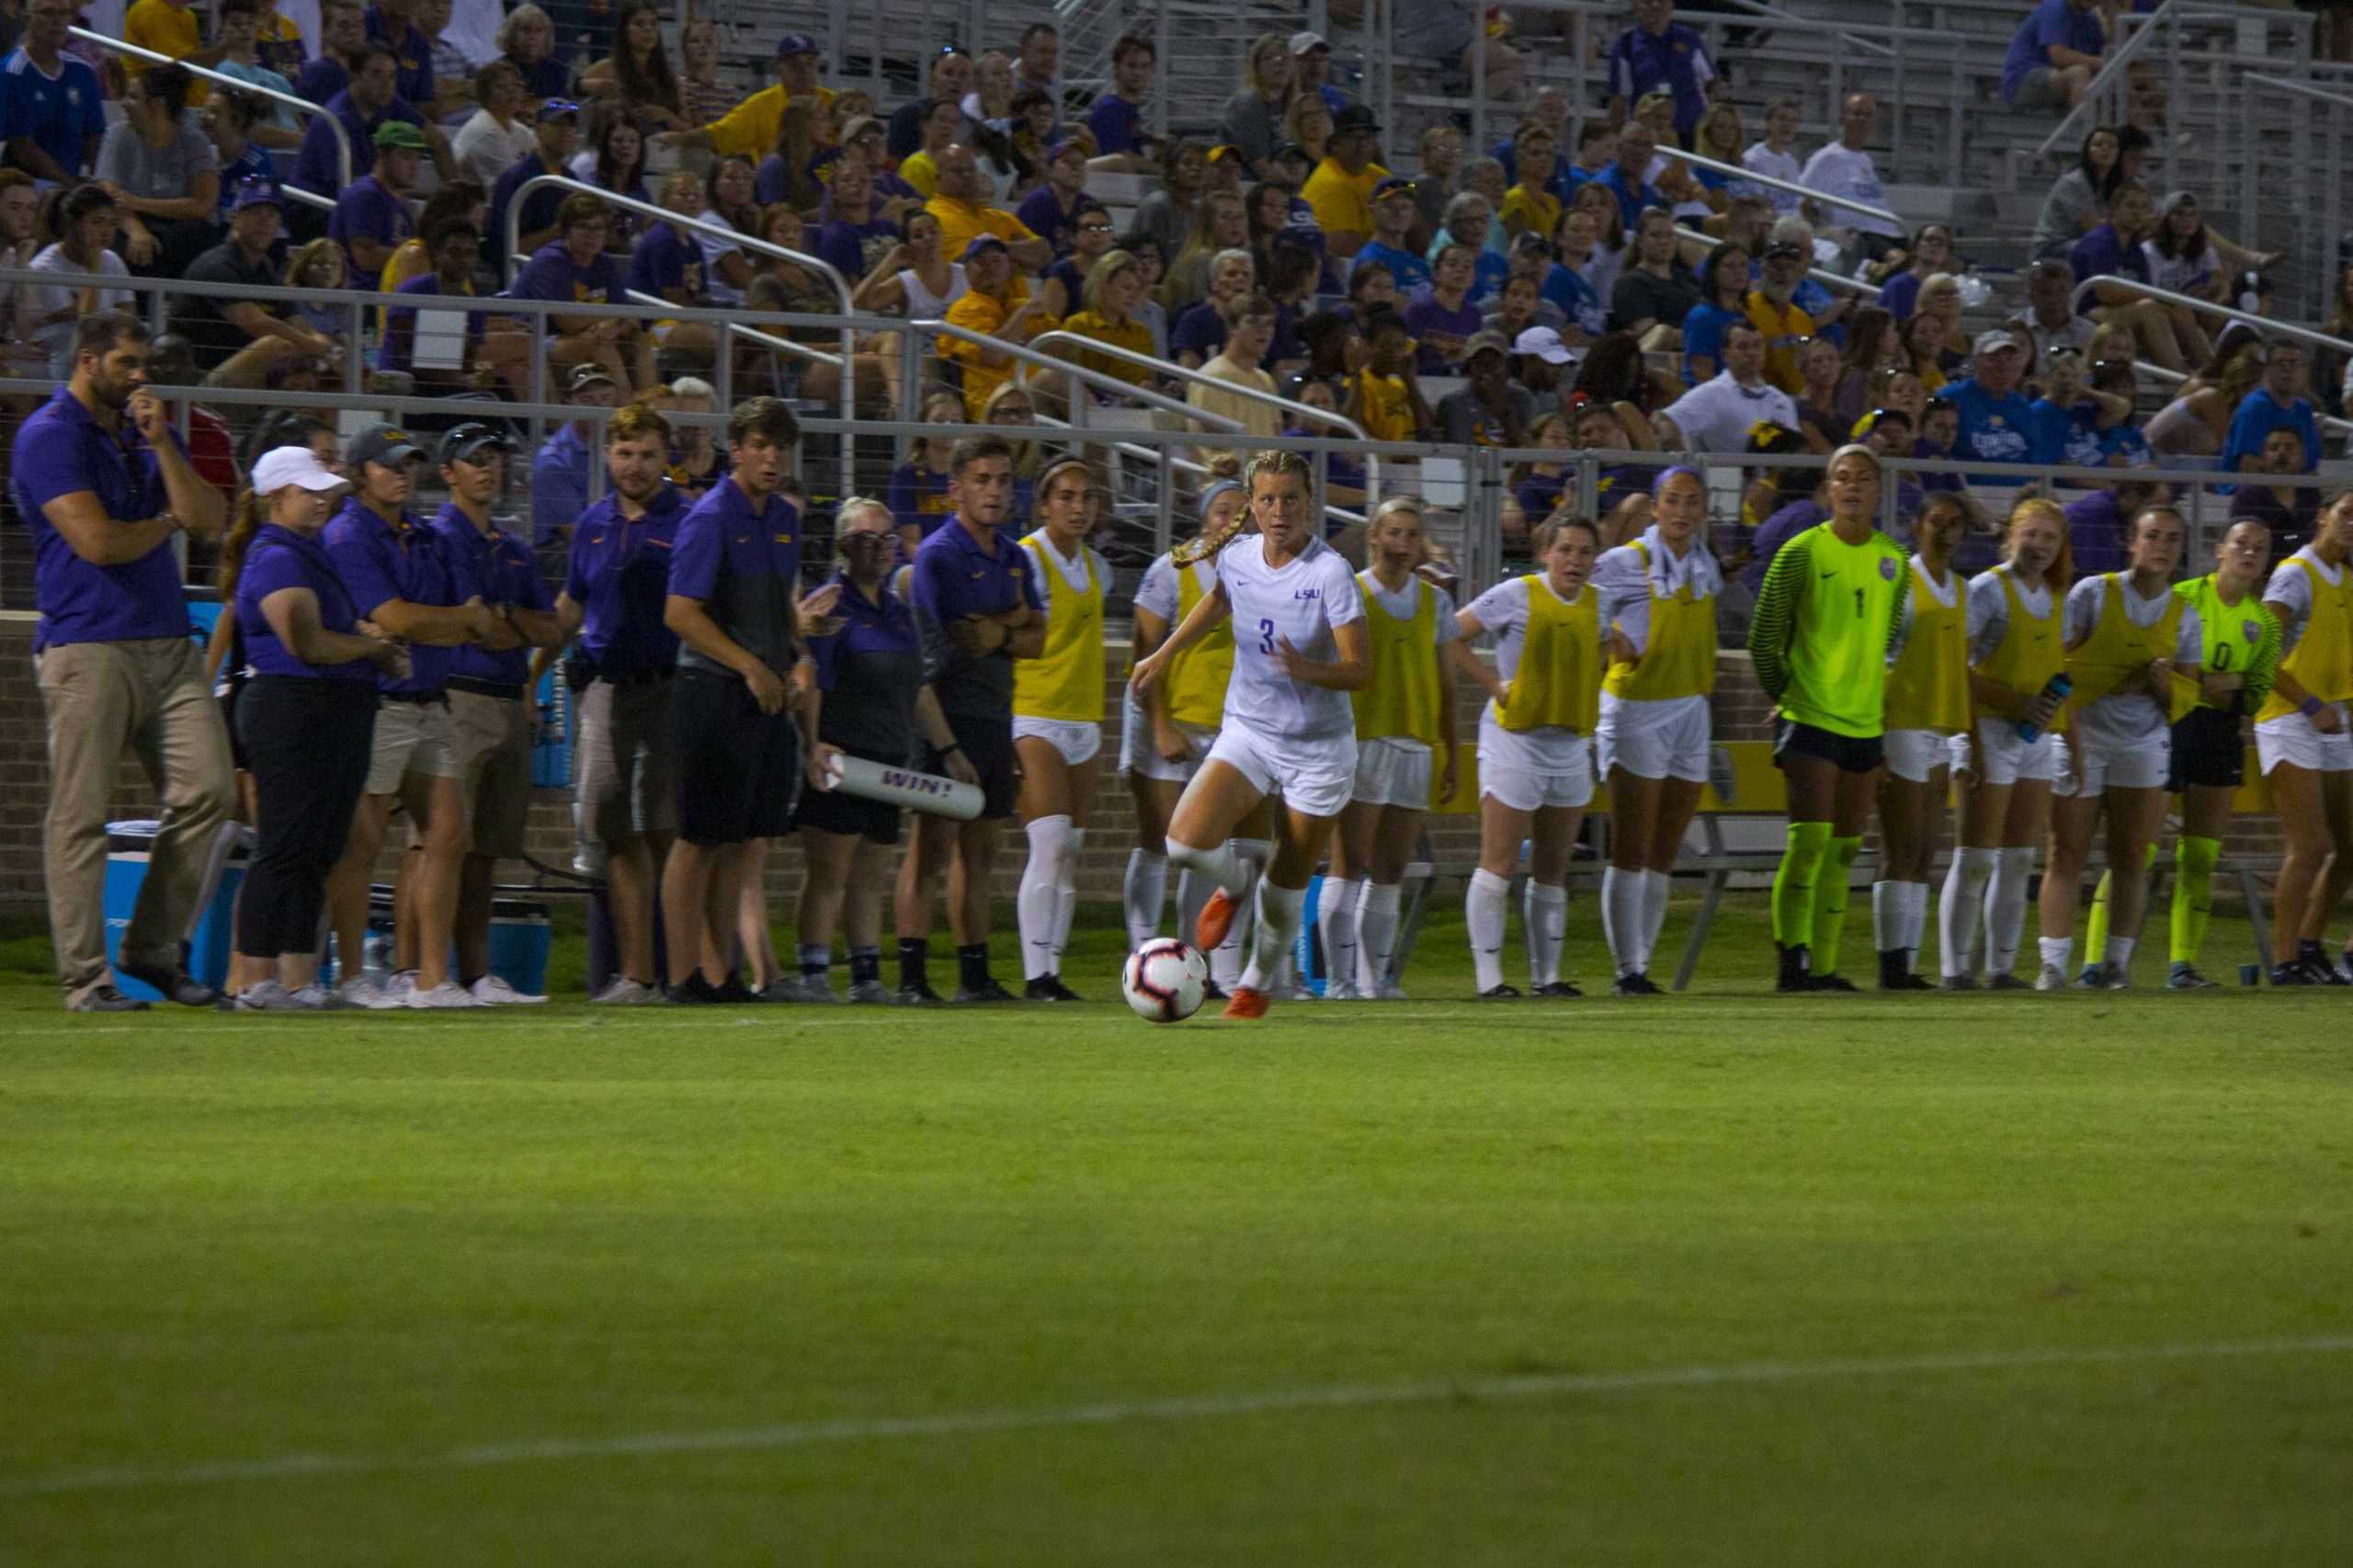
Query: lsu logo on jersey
[
  {"x": 1886, "y": 570},
  {"x": 1307, "y": 594},
  {"x": 2251, "y": 630}
]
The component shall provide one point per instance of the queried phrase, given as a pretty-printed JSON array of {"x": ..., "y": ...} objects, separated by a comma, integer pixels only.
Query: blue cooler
[
  {"x": 518, "y": 945},
  {"x": 211, "y": 934}
]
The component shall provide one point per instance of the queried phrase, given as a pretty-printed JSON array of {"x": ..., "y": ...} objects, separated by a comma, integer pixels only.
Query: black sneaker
[
  {"x": 991, "y": 991},
  {"x": 1500, "y": 992},
  {"x": 2005, "y": 980},
  {"x": 106, "y": 999},
  {"x": 735, "y": 993},
  {"x": 1896, "y": 972},
  {"x": 1558, "y": 988},
  {"x": 174, "y": 984},
  {"x": 2184, "y": 976},
  {"x": 2292, "y": 973},
  {"x": 2316, "y": 962},
  {"x": 692, "y": 991},
  {"x": 1904, "y": 979},
  {"x": 1636, "y": 984},
  {"x": 1796, "y": 961},
  {"x": 1830, "y": 982},
  {"x": 919, "y": 995},
  {"x": 1049, "y": 988},
  {"x": 1957, "y": 982}
]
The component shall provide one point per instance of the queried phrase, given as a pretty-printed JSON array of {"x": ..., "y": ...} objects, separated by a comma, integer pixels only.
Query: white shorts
[
  {"x": 1529, "y": 769},
  {"x": 1137, "y": 756},
  {"x": 2292, "y": 738},
  {"x": 2144, "y": 765},
  {"x": 2002, "y": 758},
  {"x": 1311, "y": 775},
  {"x": 1654, "y": 739},
  {"x": 416, "y": 738},
  {"x": 1393, "y": 772},
  {"x": 1078, "y": 740},
  {"x": 1913, "y": 755}
]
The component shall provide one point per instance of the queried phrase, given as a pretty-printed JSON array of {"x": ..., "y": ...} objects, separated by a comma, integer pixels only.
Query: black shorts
[
  {"x": 2207, "y": 750},
  {"x": 739, "y": 770},
  {"x": 852, "y": 817},
  {"x": 988, "y": 746},
  {"x": 1849, "y": 754}
]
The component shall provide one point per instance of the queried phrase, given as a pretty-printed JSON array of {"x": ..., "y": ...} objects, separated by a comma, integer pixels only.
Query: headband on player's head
[
  {"x": 1201, "y": 547},
  {"x": 1658, "y": 485}
]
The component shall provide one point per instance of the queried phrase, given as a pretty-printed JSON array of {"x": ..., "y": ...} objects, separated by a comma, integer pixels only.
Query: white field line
[{"x": 1194, "y": 1407}]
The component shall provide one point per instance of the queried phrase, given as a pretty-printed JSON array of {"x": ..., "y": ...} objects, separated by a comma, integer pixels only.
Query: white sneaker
[
  {"x": 2053, "y": 978},
  {"x": 1339, "y": 991},
  {"x": 623, "y": 991},
  {"x": 266, "y": 997},
  {"x": 398, "y": 984},
  {"x": 1392, "y": 992},
  {"x": 448, "y": 994},
  {"x": 318, "y": 998},
  {"x": 362, "y": 991},
  {"x": 492, "y": 991}
]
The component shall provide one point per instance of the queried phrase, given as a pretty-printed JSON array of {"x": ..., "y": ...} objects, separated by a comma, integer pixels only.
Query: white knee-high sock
[
  {"x": 1214, "y": 866},
  {"x": 1376, "y": 934},
  {"x": 1655, "y": 886},
  {"x": 1066, "y": 891},
  {"x": 1916, "y": 919},
  {"x": 1545, "y": 911},
  {"x": 1887, "y": 916},
  {"x": 2006, "y": 908},
  {"x": 1251, "y": 856},
  {"x": 1192, "y": 892},
  {"x": 1035, "y": 902},
  {"x": 1278, "y": 926},
  {"x": 1141, "y": 893},
  {"x": 1621, "y": 917},
  {"x": 1961, "y": 908},
  {"x": 1335, "y": 922},
  {"x": 1482, "y": 909}
]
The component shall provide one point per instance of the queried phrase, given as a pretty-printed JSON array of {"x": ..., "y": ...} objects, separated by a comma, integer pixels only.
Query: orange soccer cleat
[
  {"x": 1215, "y": 921},
  {"x": 1246, "y": 1003}
]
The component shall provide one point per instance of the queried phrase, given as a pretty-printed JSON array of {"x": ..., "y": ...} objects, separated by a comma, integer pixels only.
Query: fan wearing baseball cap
[
  {"x": 748, "y": 129},
  {"x": 490, "y": 718},
  {"x": 371, "y": 218},
  {"x": 997, "y": 304},
  {"x": 404, "y": 579},
  {"x": 1341, "y": 188}
]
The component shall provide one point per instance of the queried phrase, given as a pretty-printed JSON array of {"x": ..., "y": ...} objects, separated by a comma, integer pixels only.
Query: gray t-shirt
[{"x": 157, "y": 173}]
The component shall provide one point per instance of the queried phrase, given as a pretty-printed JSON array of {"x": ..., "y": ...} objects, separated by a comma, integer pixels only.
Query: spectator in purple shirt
[
  {"x": 1116, "y": 121},
  {"x": 576, "y": 268},
  {"x": 454, "y": 246},
  {"x": 2053, "y": 55},
  {"x": 361, "y": 108},
  {"x": 856, "y": 239},
  {"x": 392, "y": 24},
  {"x": 1048, "y": 210},
  {"x": 1660, "y": 53},
  {"x": 1442, "y": 318},
  {"x": 372, "y": 217},
  {"x": 2114, "y": 249},
  {"x": 343, "y": 32}
]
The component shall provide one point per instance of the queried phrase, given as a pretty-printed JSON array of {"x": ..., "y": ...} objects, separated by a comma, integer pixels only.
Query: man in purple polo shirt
[
  {"x": 733, "y": 594},
  {"x": 371, "y": 218},
  {"x": 102, "y": 482},
  {"x": 614, "y": 592},
  {"x": 1115, "y": 119},
  {"x": 2053, "y": 55},
  {"x": 404, "y": 580},
  {"x": 972, "y": 581},
  {"x": 490, "y": 718},
  {"x": 369, "y": 103},
  {"x": 1048, "y": 210},
  {"x": 576, "y": 267},
  {"x": 393, "y": 23},
  {"x": 1659, "y": 51}
]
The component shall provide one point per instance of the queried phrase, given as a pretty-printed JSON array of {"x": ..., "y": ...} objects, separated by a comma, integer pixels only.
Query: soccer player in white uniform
[
  {"x": 1405, "y": 722},
  {"x": 2133, "y": 644},
  {"x": 2303, "y": 741},
  {"x": 1659, "y": 595},
  {"x": 1300, "y": 647},
  {"x": 2015, "y": 654},
  {"x": 1058, "y": 722},
  {"x": 1534, "y": 750}
]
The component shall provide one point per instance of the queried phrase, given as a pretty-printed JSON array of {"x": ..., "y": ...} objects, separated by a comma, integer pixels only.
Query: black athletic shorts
[
  {"x": 2208, "y": 750},
  {"x": 852, "y": 817},
  {"x": 988, "y": 746},
  {"x": 1849, "y": 754},
  {"x": 739, "y": 769}
]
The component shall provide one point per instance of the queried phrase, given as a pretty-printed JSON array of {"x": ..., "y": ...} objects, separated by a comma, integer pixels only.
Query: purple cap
[
  {"x": 980, "y": 243},
  {"x": 795, "y": 44}
]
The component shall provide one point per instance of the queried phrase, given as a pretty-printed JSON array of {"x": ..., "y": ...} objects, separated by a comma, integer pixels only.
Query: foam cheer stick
[{"x": 903, "y": 787}]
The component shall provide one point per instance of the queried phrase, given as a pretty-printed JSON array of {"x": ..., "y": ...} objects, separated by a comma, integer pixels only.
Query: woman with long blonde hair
[{"x": 2018, "y": 689}]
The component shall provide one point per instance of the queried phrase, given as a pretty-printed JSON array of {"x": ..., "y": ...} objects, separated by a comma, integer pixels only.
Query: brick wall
[{"x": 1741, "y": 713}]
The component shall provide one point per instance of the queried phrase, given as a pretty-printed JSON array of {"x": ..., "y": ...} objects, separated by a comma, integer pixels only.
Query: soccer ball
[{"x": 1163, "y": 981}]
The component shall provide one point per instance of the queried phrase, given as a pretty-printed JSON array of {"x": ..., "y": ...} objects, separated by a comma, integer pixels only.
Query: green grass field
[{"x": 1720, "y": 1278}]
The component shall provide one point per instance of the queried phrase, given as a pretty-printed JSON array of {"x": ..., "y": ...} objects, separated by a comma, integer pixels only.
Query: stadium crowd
[{"x": 1606, "y": 277}]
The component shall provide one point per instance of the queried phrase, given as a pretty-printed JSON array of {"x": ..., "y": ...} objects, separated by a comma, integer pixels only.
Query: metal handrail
[
  {"x": 1163, "y": 367},
  {"x": 2302, "y": 89},
  {"x": 2263, "y": 324},
  {"x": 2144, "y": 32},
  {"x": 342, "y": 137},
  {"x": 1758, "y": 7},
  {"x": 1096, "y": 378},
  {"x": 1740, "y": 171},
  {"x": 1820, "y": 275}
]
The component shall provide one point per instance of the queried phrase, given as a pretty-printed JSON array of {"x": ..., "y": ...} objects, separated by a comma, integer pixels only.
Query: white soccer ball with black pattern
[{"x": 1164, "y": 980}]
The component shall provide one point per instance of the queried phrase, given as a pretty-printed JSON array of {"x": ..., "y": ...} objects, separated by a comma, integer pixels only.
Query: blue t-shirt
[
  {"x": 281, "y": 559},
  {"x": 1200, "y": 329},
  {"x": 664, "y": 258},
  {"x": 1410, "y": 270},
  {"x": 1633, "y": 195},
  {"x": 504, "y": 573},
  {"x": 2257, "y": 415},
  {"x": 322, "y": 79},
  {"x": 414, "y": 80},
  {"x": 2051, "y": 22},
  {"x": 315, "y": 165},
  {"x": 1444, "y": 335},
  {"x": 618, "y": 574},
  {"x": 955, "y": 577},
  {"x": 855, "y": 249},
  {"x": 59, "y": 450},
  {"x": 253, "y": 163},
  {"x": 1114, "y": 123},
  {"x": 1899, "y": 294},
  {"x": 538, "y": 208},
  {"x": 1675, "y": 58},
  {"x": 738, "y": 559},
  {"x": 2103, "y": 250},
  {"x": 2096, "y": 534},
  {"x": 56, "y": 112},
  {"x": 2123, "y": 446},
  {"x": 368, "y": 210},
  {"x": 1703, "y": 332},
  {"x": 1993, "y": 429},
  {"x": 2068, "y": 434},
  {"x": 1042, "y": 212},
  {"x": 1566, "y": 290},
  {"x": 379, "y": 562}
]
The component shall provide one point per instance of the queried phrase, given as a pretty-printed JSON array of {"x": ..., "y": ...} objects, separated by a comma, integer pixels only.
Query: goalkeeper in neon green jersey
[
  {"x": 2241, "y": 654},
  {"x": 1825, "y": 629}
]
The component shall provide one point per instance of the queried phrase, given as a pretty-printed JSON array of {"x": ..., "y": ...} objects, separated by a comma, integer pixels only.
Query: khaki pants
[{"x": 148, "y": 694}]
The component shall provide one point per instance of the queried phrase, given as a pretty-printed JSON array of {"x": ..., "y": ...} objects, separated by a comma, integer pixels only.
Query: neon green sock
[
  {"x": 1830, "y": 901},
  {"x": 2193, "y": 894},
  {"x": 1793, "y": 884},
  {"x": 2096, "y": 929}
]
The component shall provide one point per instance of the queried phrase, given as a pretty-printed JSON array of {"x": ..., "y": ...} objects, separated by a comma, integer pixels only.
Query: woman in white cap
[{"x": 307, "y": 717}]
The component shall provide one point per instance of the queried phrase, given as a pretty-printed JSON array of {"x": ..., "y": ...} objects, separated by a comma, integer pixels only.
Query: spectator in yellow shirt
[
  {"x": 1114, "y": 291},
  {"x": 1785, "y": 326},
  {"x": 964, "y": 216},
  {"x": 1340, "y": 190},
  {"x": 942, "y": 124},
  {"x": 1530, "y": 206},
  {"x": 749, "y": 129},
  {"x": 996, "y": 304},
  {"x": 1384, "y": 397},
  {"x": 167, "y": 26}
]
